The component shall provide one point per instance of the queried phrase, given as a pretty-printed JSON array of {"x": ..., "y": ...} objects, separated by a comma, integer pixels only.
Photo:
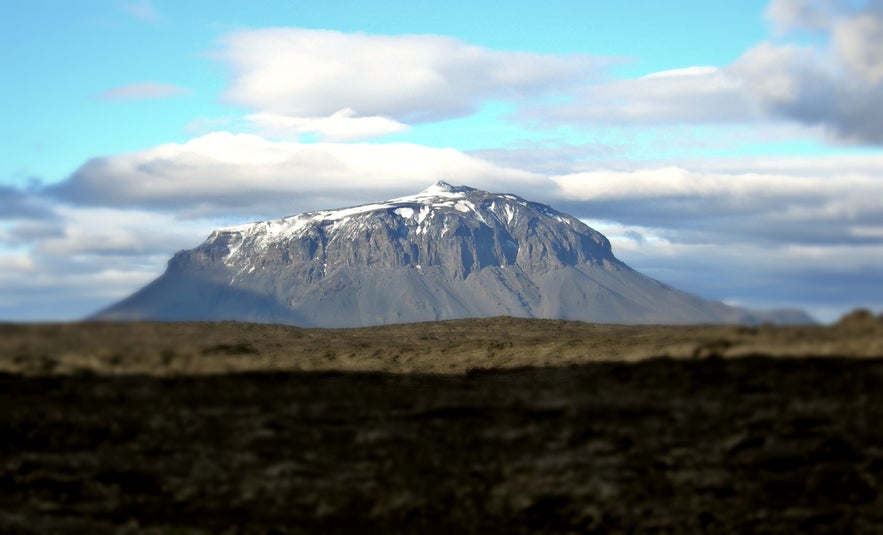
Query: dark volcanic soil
[{"x": 747, "y": 444}]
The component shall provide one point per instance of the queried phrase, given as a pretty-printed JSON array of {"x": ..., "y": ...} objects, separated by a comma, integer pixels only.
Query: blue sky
[{"x": 731, "y": 149}]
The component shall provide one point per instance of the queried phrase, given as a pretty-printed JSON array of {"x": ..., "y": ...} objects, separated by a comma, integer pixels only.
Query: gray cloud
[
  {"x": 23, "y": 233},
  {"x": 836, "y": 84},
  {"x": 50, "y": 290},
  {"x": 790, "y": 15},
  {"x": 87, "y": 258},
  {"x": 789, "y": 200},
  {"x": 16, "y": 203},
  {"x": 799, "y": 84},
  {"x": 827, "y": 280}
]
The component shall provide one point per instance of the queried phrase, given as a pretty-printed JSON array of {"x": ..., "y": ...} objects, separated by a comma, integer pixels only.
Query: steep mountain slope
[{"x": 446, "y": 252}]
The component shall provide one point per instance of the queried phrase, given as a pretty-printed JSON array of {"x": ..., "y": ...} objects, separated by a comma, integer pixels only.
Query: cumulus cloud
[
  {"x": 381, "y": 82},
  {"x": 793, "y": 200},
  {"x": 790, "y": 15},
  {"x": 797, "y": 200},
  {"x": 223, "y": 173},
  {"x": 18, "y": 203},
  {"x": 350, "y": 86},
  {"x": 835, "y": 83},
  {"x": 143, "y": 91},
  {"x": 804, "y": 85}
]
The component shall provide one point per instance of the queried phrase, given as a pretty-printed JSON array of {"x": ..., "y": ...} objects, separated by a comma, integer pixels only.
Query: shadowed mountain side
[
  {"x": 186, "y": 297},
  {"x": 445, "y": 253}
]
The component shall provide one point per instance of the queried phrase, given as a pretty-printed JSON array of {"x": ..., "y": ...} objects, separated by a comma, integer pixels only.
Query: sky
[{"x": 730, "y": 149}]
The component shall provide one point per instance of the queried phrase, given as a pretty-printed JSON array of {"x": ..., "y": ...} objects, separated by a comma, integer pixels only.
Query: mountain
[{"x": 446, "y": 252}]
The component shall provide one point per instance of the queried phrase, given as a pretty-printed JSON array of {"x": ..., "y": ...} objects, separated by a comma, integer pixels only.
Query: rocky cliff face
[{"x": 446, "y": 252}]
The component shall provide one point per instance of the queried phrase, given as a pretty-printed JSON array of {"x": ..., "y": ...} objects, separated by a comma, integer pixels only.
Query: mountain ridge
[{"x": 446, "y": 252}]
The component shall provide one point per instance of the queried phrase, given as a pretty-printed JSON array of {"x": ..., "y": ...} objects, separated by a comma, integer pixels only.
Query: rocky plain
[{"x": 473, "y": 426}]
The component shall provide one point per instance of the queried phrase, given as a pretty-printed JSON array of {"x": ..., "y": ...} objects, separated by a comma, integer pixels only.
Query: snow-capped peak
[
  {"x": 439, "y": 190},
  {"x": 442, "y": 187}
]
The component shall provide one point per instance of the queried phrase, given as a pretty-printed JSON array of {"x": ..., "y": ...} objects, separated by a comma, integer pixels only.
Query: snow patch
[
  {"x": 424, "y": 211},
  {"x": 436, "y": 192},
  {"x": 406, "y": 212},
  {"x": 253, "y": 239},
  {"x": 334, "y": 215}
]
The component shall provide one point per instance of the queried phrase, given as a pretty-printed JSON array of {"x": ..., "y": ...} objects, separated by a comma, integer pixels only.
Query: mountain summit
[{"x": 446, "y": 252}]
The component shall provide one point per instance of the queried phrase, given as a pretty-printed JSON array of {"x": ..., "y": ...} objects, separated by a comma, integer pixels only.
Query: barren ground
[{"x": 474, "y": 426}]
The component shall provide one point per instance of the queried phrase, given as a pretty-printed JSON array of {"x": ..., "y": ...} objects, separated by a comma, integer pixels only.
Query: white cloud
[
  {"x": 343, "y": 125},
  {"x": 822, "y": 200},
  {"x": 698, "y": 70},
  {"x": 374, "y": 84},
  {"x": 115, "y": 232},
  {"x": 221, "y": 173},
  {"x": 144, "y": 91},
  {"x": 314, "y": 73},
  {"x": 668, "y": 182}
]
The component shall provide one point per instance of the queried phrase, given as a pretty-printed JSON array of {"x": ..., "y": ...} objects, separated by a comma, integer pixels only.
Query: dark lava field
[{"x": 556, "y": 427}]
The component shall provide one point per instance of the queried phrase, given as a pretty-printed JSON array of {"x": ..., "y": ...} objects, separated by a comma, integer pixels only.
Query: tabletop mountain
[{"x": 446, "y": 252}]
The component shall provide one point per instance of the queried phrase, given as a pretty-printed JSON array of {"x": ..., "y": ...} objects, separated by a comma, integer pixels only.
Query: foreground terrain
[{"x": 497, "y": 425}]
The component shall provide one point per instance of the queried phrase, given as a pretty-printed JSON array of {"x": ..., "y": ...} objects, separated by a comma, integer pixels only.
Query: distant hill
[{"x": 444, "y": 253}]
